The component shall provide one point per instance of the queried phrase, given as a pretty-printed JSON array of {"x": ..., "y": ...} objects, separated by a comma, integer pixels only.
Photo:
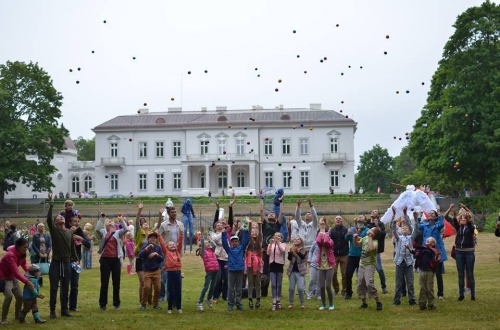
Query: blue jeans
[
  {"x": 73, "y": 291},
  {"x": 174, "y": 287},
  {"x": 380, "y": 271},
  {"x": 465, "y": 261},
  {"x": 188, "y": 228},
  {"x": 210, "y": 282}
]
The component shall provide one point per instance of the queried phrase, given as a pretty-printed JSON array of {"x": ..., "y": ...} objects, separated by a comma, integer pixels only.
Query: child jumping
[
  {"x": 427, "y": 259},
  {"x": 207, "y": 253},
  {"x": 254, "y": 263},
  {"x": 152, "y": 257},
  {"x": 130, "y": 249},
  {"x": 297, "y": 270},
  {"x": 367, "y": 264},
  {"x": 236, "y": 266},
  {"x": 173, "y": 267},
  {"x": 29, "y": 298}
]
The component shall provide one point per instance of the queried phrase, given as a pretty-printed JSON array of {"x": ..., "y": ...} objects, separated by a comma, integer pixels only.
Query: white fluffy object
[{"x": 412, "y": 199}]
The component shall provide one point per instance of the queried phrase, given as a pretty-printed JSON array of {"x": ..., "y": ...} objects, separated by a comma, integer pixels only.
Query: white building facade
[{"x": 197, "y": 153}]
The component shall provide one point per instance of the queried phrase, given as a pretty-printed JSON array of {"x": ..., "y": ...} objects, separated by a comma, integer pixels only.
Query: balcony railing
[
  {"x": 82, "y": 165},
  {"x": 113, "y": 161},
  {"x": 341, "y": 156},
  {"x": 217, "y": 157}
]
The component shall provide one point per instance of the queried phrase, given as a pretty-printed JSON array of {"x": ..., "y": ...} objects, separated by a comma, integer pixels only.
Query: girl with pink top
[
  {"x": 276, "y": 251},
  {"x": 207, "y": 253},
  {"x": 326, "y": 263},
  {"x": 254, "y": 263},
  {"x": 130, "y": 249}
]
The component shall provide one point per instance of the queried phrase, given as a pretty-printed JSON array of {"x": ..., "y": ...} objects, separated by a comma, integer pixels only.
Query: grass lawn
[{"x": 450, "y": 314}]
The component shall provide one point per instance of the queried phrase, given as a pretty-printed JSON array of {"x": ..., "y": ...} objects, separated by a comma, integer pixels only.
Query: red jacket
[
  {"x": 9, "y": 265},
  {"x": 326, "y": 243}
]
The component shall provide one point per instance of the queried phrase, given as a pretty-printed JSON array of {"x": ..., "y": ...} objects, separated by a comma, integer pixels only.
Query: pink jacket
[
  {"x": 210, "y": 261},
  {"x": 130, "y": 247},
  {"x": 9, "y": 265},
  {"x": 326, "y": 243},
  {"x": 277, "y": 254}
]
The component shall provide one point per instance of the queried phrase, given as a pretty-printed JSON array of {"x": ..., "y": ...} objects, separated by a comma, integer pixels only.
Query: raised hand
[
  {"x": 216, "y": 204},
  {"x": 49, "y": 196},
  {"x": 161, "y": 210},
  {"x": 405, "y": 208},
  {"x": 309, "y": 200},
  {"x": 299, "y": 202},
  {"x": 140, "y": 205},
  {"x": 393, "y": 210},
  {"x": 231, "y": 202}
]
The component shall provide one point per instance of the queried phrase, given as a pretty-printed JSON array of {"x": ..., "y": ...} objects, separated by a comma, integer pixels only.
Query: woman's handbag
[
  {"x": 454, "y": 252},
  {"x": 44, "y": 266}
]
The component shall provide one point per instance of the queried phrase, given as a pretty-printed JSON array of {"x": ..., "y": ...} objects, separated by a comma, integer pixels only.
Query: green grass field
[{"x": 451, "y": 314}]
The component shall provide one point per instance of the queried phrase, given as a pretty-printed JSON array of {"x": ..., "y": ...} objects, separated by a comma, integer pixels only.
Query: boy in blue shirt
[
  {"x": 236, "y": 266},
  {"x": 29, "y": 298}
]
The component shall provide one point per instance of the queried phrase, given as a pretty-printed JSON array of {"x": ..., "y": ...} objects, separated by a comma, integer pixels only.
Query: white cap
[
  {"x": 235, "y": 237},
  {"x": 169, "y": 203}
]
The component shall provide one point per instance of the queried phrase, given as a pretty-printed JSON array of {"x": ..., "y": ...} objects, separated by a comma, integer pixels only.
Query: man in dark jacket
[
  {"x": 375, "y": 222},
  {"x": 340, "y": 250}
]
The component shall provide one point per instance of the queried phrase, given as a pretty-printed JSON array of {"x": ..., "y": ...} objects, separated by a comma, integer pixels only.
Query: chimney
[
  {"x": 204, "y": 109},
  {"x": 143, "y": 111},
  {"x": 281, "y": 106},
  {"x": 175, "y": 109},
  {"x": 221, "y": 108},
  {"x": 315, "y": 106}
]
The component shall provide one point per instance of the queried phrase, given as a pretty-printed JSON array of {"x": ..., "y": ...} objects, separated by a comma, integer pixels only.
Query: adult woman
[
  {"x": 9, "y": 271},
  {"x": 216, "y": 236},
  {"x": 141, "y": 234},
  {"x": 326, "y": 263},
  {"x": 41, "y": 247},
  {"x": 432, "y": 228},
  {"x": 464, "y": 245}
]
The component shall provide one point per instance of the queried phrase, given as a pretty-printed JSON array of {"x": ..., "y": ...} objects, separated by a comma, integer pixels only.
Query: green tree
[
  {"x": 461, "y": 120},
  {"x": 29, "y": 113},
  {"x": 403, "y": 165},
  {"x": 374, "y": 170},
  {"x": 85, "y": 148}
]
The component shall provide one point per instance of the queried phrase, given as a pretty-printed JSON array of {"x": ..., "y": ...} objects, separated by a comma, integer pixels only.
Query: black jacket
[{"x": 340, "y": 244}]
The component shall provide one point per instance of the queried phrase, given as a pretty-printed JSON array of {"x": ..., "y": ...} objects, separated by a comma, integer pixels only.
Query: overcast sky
[{"x": 229, "y": 39}]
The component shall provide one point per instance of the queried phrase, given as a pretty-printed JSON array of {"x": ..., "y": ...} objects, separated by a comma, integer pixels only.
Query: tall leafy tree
[
  {"x": 29, "y": 113},
  {"x": 404, "y": 165},
  {"x": 374, "y": 170},
  {"x": 85, "y": 148},
  {"x": 461, "y": 121}
]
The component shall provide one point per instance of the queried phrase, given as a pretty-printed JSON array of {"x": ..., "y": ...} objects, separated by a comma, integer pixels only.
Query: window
[
  {"x": 334, "y": 178},
  {"x": 143, "y": 181},
  {"x": 222, "y": 179},
  {"x": 287, "y": 179},
  {"x": 177, "y": 148},
  {"x": 202, "y": 180},
  {"x": 240, "y": 179},
  {"x": 87, "y": 183},
  {"x": 75, "y": 184},
  {"x": 285, "y": 146},
  {"x": 240, "y": 147},
  {"x": 113, "y": 182},
  {"x": 268, "y": 147},
  {"x": 304, "y": 146},
  {"x": 203, "y": 147},
  {"x": 143, "y": 149},
  {"x": 334, "y": 145},
  {"x": 160, "y": 181},
  {"x": 268, "y": 178},
  {"x": 304, "y": 179},
  {"x": 177, "y": 180},
  {"x": 222, "y": 147},
  {"x": 159, "y": 149},
  {"x": 113, "y": 149}
]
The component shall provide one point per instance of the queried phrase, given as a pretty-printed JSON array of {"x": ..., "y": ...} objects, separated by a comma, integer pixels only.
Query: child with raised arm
[
  {"x": 173, "y": 266},
  {"x": 427, "y": 259},
  {"x": 207, "y": 253},
  {"x": 152, "y": 257},
  {"x": 276, "y": 251},
  {"x": 130, "y": 249},
  {"x": 236, "y": 266},
  {"x": 326, "y": 264},
  {"x": 297, "y": 270},
  {"x": 367, "y": 264},
  {"x": 254, "y": 263},
  {"x": 402, "y": 257}
]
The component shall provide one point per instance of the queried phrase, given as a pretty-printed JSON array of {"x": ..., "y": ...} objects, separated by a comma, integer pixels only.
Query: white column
[
  {"x": 184, "y": 177},
  {"x": 207, "y": 178},
  {"x": 229, "y": 176},
  {"x": 253, "y": 184}
]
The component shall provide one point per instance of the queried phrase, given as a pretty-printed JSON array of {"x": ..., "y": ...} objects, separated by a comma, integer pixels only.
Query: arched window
[
  {"x": 75, "y": 185},
  {"x": 202, "y": 180},
  {"x": 240, "y": 179},
  {"x": 87, "y": 183},
  {"x": 222, "y": 179}
]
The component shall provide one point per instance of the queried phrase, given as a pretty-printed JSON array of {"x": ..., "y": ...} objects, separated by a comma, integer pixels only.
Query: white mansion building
[{"x": 192, "y": 153}]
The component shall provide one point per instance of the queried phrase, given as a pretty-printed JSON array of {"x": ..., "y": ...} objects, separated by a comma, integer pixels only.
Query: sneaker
[
  {"x": 384, "y": 290},
  {"x": 179, "y": 311},
  {"x": 230, "y": 308},
  {"x": 308, "y": 298},
  {"x": 102, "y": 308},
  {"x": 379, "y": 306},
  {"x": 40, "y": 321},
  {"x": 66, "y": 313},
  {"x": 250, "y": 304},
  {"x": 52, "y": 316},
  {"x": 423, "y": 308},
  {"x": 322, "y": 308},
  {"x": 467, "y": 291},
  {"x": 347, "y": 296},
  {"x": 257, "y": 304},
  {"x": 161, "y": 299},
  {"x": 290, "y": 306},
  {"x": 396, "y": 304},
  {"x": 158, "y": 308},
  {"x": 432, "y": 308},
  {"x": 240, "y": 307},
  {"x": 4, "y": 321},
  {"x": 473, "y": 297},
  {"x": 278, "y": 305},
  {"x": 461, "y": 298},
  {"x": 209, "y": 303},
  {"x": 169, "y": 311},
  {"x": 216, "y": 301},
  {"x": 142, "y": 308},
  {"x": 441, "y": 298},
  {"x": 76, "y": 310},
  {"x": 200, "y": 307},
  {"x": 363, "y": 306},
  {"x": 302, "y": 306},
  {"x": 412, "y": 302},
  {"x": 117, "y": 308},
  {"x": 274, "y": 307},
  {"x": 331, "y": 308}
]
